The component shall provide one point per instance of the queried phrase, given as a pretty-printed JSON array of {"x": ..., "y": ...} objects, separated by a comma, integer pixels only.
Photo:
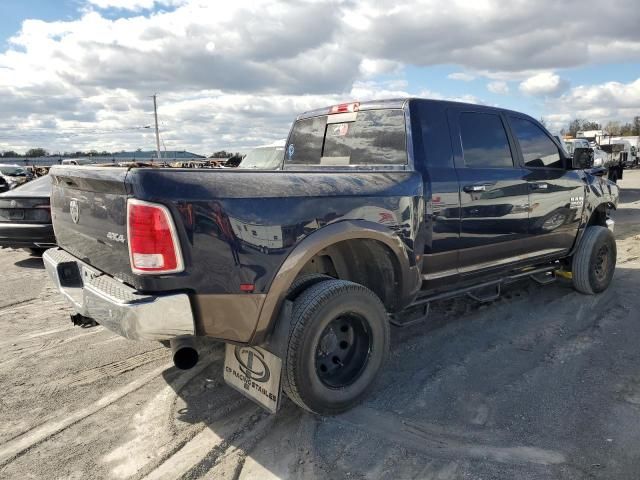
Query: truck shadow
[
  {"x": 30, "y": 262},
  {"x": 490, "y": 388}
]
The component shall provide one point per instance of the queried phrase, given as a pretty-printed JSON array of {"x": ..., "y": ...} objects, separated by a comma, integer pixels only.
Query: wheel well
[
  {"x": 367, "y": 262},
  {"x": 599, "y": 216}
]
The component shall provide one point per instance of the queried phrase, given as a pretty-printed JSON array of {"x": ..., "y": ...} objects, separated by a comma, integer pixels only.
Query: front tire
[
  {"x": 338, "y": 342},
  {"x": 594, "y": 262}
]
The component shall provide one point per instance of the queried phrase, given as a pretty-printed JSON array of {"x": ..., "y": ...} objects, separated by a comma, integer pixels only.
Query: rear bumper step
[{"x": 116, "y": 306}]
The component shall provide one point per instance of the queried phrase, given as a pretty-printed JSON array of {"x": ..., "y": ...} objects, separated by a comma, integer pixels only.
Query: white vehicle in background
[
  {"x": 599, "y": 156},
  {"x": 619, "y": 150},
  {"x": 625, "y": 151},
  {"x": 630, "y": 151},
  {"x": 593, "y": 136},
  {"x": 265, "y": 157},
  {"x": 15, "y": 175},
  {"x": 616, "y": 154},
  {"x": 570, "y": 144},
  {"x": 78, "y": 161}
]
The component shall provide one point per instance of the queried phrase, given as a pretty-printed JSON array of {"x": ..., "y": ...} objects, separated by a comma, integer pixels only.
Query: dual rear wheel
[{"x": 338, "y": 342}]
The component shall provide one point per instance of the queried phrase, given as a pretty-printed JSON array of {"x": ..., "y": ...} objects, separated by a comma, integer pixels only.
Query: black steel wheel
[
  {"x": 343, "y": 350},
  {"x": 338, "y": 342}
]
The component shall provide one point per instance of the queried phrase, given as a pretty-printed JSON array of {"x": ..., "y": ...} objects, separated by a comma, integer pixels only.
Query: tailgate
[{"x": 88, "y": 208}]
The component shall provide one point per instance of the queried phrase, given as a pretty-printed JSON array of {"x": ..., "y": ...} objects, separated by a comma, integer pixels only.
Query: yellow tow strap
[{"x": 564, "y": 274}]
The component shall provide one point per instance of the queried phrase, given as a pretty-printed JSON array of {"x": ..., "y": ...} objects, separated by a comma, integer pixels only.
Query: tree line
[
  {"x": 614, "y": 128},
  {"x": 41, "y": 152}
]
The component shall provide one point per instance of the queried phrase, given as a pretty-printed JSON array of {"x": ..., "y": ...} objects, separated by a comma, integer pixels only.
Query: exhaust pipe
[{"x": 183, "y": 350}]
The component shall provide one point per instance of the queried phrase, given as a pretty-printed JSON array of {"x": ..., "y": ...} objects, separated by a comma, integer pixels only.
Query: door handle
[
  {"x": 539, "y": 186},
  {"x": 476, "y": 188}
]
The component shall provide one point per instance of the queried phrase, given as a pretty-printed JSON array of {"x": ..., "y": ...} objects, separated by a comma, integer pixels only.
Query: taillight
[
  {"x": 153, "y": 242},
  {"x": 345, "y": 108}
]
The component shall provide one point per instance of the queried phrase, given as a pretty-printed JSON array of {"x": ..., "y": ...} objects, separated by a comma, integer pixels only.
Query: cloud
[
  {"x": 133, "y": 5},
  {"x": 462, "y": 76},
  {"x": 371, "y": 67},
  {"x": 498, "y": 87},
  {"x": 495, "y": 36},
  {"x": 544, "y": 84},
  {"x": 600, "y": 103},
  {"x": 231, "y": 74}
]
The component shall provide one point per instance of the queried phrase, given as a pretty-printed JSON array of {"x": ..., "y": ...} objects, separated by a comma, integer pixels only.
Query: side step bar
[{"x": 479, "y": 292}]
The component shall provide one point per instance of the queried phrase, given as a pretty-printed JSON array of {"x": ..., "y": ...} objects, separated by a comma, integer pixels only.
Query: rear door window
[
  {"x": 369, "y": 137},
  {"x": 538, "y": 150},
  {"x": 484, "y": 141}
]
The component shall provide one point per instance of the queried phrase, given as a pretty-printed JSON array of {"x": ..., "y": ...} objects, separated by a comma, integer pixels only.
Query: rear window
[
  {"x": 38, "y": 187},
  {"x": 369, "y": 137}
]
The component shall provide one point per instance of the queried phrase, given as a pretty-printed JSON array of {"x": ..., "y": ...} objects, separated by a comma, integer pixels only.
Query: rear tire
[
  {"x": 338, "y": 342},
  {"x": 37, "y": 252},
  {"x": 594, "y": 262},
  {"x": 305, "y": 281}
]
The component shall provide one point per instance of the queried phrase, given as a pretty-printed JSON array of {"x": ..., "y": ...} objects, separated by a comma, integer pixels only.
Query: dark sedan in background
[{"x": 25, "y": 217}]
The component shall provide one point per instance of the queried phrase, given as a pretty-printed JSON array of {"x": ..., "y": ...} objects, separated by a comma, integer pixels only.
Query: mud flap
[
  {"x": 254, "y": 372},
  {"x": 266, "y": 393}
]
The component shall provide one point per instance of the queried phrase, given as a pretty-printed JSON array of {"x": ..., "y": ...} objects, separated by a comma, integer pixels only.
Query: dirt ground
[{"x": 542, "y": 383}]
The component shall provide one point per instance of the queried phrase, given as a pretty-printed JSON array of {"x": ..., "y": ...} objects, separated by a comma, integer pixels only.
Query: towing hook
[{"x": 184, "y": 353}]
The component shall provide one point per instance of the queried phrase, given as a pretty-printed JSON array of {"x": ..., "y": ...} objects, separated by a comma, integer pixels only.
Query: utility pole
[{"x": 155, "y": 114}]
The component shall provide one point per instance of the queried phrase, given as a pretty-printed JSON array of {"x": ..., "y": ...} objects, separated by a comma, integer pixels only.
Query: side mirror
[{"x": 582, "y": 158}]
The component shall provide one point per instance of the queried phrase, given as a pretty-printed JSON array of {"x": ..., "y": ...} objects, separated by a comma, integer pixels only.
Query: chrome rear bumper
[{"x": 116, "y": 306}]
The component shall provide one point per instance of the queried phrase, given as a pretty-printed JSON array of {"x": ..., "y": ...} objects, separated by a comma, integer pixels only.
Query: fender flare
[
  {"x": 587, "y": 213},
  {"x": 316, "y": 242}
]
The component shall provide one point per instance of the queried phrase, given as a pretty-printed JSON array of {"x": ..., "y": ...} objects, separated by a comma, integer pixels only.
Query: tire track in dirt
[
  {"x": 19, "y": 445},
  {"x": 154, "y": 440},
  {"x": 434, "y": 441},
  {"x": 91, "y": 375},
  {"x": 22, "y": 350}
]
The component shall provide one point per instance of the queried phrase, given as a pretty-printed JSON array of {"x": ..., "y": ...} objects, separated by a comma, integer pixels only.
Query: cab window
[
  {"x": 538, "y": 150},
  {"x": 484, "y": 141}
]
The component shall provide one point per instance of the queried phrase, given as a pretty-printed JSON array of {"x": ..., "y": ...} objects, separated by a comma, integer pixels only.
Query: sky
[{"x": 79, "y": 74}]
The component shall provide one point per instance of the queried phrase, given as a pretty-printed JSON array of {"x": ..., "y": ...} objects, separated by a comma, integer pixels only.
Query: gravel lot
[{"x": 543, "y": 383}]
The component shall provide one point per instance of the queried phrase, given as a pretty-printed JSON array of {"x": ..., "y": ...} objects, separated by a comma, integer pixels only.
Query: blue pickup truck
[{"x": 377, "y": 210}]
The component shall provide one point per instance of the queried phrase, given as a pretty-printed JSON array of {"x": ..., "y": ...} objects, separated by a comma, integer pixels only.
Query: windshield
[
  {"x": 12, "y": 171},
  {"x": 369, "y": 137},
  {"x": 265, "y": 158}
]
